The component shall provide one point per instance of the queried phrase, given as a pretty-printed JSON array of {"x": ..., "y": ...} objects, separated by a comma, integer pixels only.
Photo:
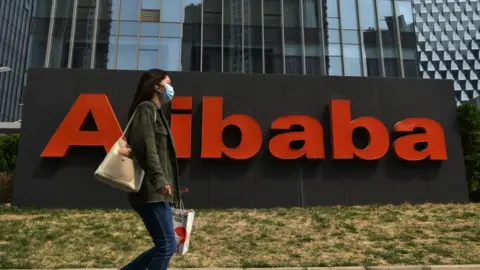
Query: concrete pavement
[{"x": 407, "y": 267}]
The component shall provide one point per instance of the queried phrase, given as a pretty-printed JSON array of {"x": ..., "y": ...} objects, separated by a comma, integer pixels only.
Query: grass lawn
[{"x": 324, "y": 236}]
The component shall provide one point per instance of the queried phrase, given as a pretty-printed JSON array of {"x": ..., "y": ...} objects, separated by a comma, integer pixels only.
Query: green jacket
[{"x": 153, "y": 148}]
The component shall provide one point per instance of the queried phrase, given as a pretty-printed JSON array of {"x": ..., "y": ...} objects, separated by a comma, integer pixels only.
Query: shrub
[
  {"x": 469, "y": 122},
  {"x": 6, "y": 180},
  {"x": 8, "y": 153}
]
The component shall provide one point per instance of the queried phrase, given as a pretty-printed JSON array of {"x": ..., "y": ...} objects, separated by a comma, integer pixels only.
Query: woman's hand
[
  {"x": 125, "y": 151},
  {"x": 166, "y": 190}
]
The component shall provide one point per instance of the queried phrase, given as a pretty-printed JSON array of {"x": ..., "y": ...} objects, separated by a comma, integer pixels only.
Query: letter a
[
  {"x": 342, "y": 128},
  {"x": 212, "y": 132},
  {"x": 404, "y": 147},
  {"x": 69, "y": 133},
  {"x": 312, "y": 136}
]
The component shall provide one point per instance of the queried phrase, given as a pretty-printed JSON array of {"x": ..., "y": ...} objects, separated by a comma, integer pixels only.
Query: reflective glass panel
[
  {"x": 170, "y": 54},
  {"x": 151, "y": 4},
  {"x": 147, "y": 59},
  {"x": 171, "y": 30},
  {"x": 332, "y": 36},
  {"x": 191, "y": 37},
  {"x": 61, "y": 32},
  {"x": 272, "y": 14},
  {"x": 313, "y": 24},
  {"x": 369, "y": 31},
  {"x": 386, "y": 21},
  {"x": 212, "y": 36},
  {"x": 252, "y": 36},
  {"x": 293, "y": 37},
  {"x": 82, "y": 47},
  {"x": 149, "y": 29},
  {"x": 350, "y": 38},
  {"x": 408, "y": 38},
  {"x": 171, "y": 11},
  {"x": 110, "y": 56},
  {"x": 232, "y": 36},
  {"x": 128, "y": 28},
  {"x": 129, "y": 10},
  {"x": 39, "y": 33},
  {"x": 127, "y": 53}
]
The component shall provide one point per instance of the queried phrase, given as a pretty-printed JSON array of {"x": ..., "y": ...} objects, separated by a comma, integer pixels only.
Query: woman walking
[{"x": 152, "y": 147}]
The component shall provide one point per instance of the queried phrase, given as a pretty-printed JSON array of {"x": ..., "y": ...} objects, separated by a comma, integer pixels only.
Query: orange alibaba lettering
[
  {"x": 213, "y": 125},
  {"x": 312, "y": 135},
  {"x": 181, "y": 126},
  {"x": 432, "y": 134},
  {"x": 69, "y": 132},
  {"x": 342, "y": 126}
]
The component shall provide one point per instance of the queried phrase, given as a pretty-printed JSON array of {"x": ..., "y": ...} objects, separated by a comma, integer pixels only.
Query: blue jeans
[{"x": 158, "y": 220}]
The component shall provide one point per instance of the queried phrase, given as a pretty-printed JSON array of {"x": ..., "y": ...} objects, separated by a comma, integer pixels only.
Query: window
[{"x": 171, "y": 11}]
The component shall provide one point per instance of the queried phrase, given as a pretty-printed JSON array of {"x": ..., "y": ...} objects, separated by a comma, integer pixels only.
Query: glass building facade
[
  {"x": 448, "y": 33},
  {"x": 317, "y": 37},
  {"x": 15, "y": 19}
]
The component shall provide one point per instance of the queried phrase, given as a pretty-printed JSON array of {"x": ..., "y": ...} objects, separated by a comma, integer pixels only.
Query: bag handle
[
  {"x": 180, "y": 205},
  {"x": 131, "y": 118}
]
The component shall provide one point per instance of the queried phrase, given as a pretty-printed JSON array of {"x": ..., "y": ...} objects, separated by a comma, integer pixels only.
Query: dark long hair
[{"x": 145, "y": 88}]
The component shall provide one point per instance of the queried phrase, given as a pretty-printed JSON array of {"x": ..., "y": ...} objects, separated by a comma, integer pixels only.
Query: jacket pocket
[
  {"x": 161, "y": 131},
  {"x": 161, "y": 135}
]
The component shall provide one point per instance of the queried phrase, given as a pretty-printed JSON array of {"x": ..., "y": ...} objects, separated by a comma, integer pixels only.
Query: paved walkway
[{"x": 420, "y": 267}]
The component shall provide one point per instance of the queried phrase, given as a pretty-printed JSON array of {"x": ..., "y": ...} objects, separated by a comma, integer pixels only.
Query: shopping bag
[{"x": 182, "y": 224}]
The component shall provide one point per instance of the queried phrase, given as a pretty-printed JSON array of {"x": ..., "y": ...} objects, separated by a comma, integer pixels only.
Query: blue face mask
[{"x": 168, "y": 94}]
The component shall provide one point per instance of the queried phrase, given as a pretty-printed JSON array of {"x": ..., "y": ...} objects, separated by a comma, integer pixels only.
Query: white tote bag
[
  {"x": 118, "y": 170},
  {"x": 183, "y": 225}
]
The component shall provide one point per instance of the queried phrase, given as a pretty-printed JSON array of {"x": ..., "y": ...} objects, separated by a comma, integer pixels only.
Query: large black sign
[{"x": 262, "y": 180}]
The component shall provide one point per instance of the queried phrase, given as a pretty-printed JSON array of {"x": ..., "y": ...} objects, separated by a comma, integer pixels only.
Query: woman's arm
[{"x": 143, "y": 144}]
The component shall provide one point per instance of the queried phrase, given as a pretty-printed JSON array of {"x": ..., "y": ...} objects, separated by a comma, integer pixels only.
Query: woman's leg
[
  {"x": 163, "y": 235},
  {"x": 141, "y": 262},
  {"x": 144, "y": 259},
  {"x": 158, "y": 220}
]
